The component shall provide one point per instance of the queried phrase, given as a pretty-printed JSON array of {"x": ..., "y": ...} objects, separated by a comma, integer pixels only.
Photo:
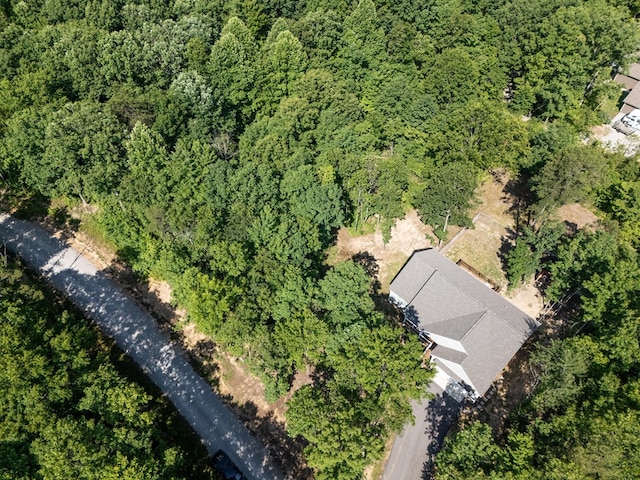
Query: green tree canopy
[{"x": 448, "y": 195}]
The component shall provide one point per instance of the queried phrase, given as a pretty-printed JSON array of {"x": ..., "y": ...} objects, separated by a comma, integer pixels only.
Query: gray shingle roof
[
  {"x": 408, "y": 283},
  {"x": 633, "y": 98},
  {"x": 457, "y": 327},
  {"x": 446, "y": 300},
  {"x": 450, "y": 354},
  {"x": 634, "y": 71}
]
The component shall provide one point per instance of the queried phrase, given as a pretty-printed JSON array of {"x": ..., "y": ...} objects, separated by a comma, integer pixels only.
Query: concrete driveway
[
  {"x": 414, "y": 449},
  {"x": 137, "y": 333}
]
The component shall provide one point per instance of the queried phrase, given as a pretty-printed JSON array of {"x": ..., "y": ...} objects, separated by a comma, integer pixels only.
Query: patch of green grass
[
  {"x": 93, "y": 230},
  {"x": 333, "y": 256},
  {"x": 480, "y": 248},
  {"x": 393, "y": 267},
  {"x": 365, "y": 228},
  {"x": 609, "y": 107}
]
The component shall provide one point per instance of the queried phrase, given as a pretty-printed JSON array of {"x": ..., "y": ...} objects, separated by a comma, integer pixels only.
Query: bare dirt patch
[
  {"x": 577, "y": 215},
  {"x": 245, "y": 388},
  {"x": 407, "y": 235},
  {"x": 527, "y": 298},
  {"x": 479, "y": 246},
  {"x": 496, "y": 201}
]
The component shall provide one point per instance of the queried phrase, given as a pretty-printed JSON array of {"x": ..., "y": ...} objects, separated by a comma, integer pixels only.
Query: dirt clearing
[
  {"x": 479, "y": 246},
  {"x": 577, "y": 215},
  {"x": 407, "y": 235}
]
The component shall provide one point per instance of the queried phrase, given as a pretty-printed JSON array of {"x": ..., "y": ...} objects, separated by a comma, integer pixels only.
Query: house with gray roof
[
  {"x": 472, "y": 331},
  {"x": 629, "y": 82},
  {"x": 629, "y": 79}
]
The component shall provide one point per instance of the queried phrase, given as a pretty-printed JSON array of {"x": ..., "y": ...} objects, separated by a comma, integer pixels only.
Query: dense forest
[
  {"x": 70, "y": 407},
  {"x": 223, "y": 143}
]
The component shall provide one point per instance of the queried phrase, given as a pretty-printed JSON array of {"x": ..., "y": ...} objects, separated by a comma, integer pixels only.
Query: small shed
[
  {"x": 630, "y": 82},
  {"x": 632, "y": 101}
]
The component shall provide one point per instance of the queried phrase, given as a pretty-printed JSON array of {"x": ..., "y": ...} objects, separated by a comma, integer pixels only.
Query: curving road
[{"x": 137, "y": 333}]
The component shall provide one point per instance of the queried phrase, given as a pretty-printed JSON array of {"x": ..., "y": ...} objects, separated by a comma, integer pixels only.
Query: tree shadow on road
[
  {"x": 286, "y": 451},
  {"x": 25, "y": 207},
  {"x": 200, "y": 354},
  {"x": 54, "y": 216},
  {"x": 442, "y": 412}
]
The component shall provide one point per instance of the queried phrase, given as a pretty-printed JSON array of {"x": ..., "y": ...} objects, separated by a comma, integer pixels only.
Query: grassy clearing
[
  {"x": 93, "y": 231},
  {"x": 334, "y": 256},
  {"x": 366, "y": 228},
  {"x": 480, "y": 247},
  {"x": 391, "y": 269}
]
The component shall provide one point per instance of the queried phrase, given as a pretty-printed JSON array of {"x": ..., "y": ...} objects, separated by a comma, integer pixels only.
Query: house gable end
[{"x": 456, "y": 328}]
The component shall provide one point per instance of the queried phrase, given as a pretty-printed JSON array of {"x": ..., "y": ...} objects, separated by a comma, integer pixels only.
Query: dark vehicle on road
[{"x": 223, "y": 465}]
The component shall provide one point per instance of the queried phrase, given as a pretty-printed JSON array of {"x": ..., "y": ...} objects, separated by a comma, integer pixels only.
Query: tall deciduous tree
[
  {"x": 146, "y": 158},
  {"x": 77, "y": 152},
  {"x": 448, "y": 195},
  {"x": 281, "y": 64},
  {"x": 344, "y": 294},
  {"x": 206, "y": 299},
  {"x": 574, "y": 175},
  {"x": 232, "y": 72},
  {"x": 481, "y": 132}
]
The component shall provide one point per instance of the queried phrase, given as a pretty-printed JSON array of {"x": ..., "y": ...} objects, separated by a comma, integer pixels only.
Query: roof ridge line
[
  {"x": 506, "y": 303},
  {"x": 424, "y": 283},
  {"x": 475, "y": 324},
  {"x": 463, "y": 290}
]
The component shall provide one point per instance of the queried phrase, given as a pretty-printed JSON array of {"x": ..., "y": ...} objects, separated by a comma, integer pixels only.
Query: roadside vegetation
[
  {"x": 71, "y": 405},
  {"x": 221, "y": 145}
]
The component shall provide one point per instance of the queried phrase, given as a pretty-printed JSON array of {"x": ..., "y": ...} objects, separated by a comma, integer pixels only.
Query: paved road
[
  {"x": 414, "y": 450},
  {"x": 136, "y": 332}
]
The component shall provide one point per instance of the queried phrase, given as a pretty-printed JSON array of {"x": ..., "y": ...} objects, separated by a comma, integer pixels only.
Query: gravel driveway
[{"x": 137, "y": 333}]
